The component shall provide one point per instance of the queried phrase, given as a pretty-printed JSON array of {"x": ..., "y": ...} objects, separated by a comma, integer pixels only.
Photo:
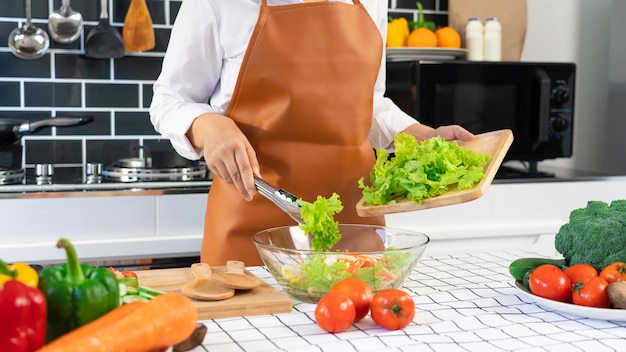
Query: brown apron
[{"x": 304, "y": 98}]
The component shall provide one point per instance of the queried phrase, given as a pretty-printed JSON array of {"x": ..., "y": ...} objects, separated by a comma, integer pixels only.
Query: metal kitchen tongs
[{"x": 283, "y": 199}]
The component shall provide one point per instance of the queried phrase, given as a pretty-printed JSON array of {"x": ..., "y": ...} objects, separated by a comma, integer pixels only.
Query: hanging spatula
[
  {"x": 104, "y": 41},
  {"x": 138, "y": 33}
]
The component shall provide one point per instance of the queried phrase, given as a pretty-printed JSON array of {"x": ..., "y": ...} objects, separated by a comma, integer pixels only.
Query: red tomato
[
  {"x": 591, "y": 292},
  {"x": 118, "y": 275},
  {"x": 578, "y": 272},
  {"x": 392, "y": 309},
  {"x": 549, "y": 281},
  {"x": 367, "y": 264},
  {"x": 359, "y": 293},
  {"x": 614, "y": 272},
  {"x": 127, "y": 273},
  {"x": 335, "y": 312}
]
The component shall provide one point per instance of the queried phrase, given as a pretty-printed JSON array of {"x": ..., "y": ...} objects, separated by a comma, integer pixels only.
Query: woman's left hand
[{"x": 451, "y": 132}]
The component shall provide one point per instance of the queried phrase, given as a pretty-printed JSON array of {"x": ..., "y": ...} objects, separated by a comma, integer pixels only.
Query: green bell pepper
[
  {"x": 420, "y": 23},
  {"x": 76, "y": 293}
]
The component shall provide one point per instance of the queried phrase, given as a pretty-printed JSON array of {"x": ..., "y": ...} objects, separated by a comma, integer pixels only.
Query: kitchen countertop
[
  {"x": 122, "y": 228},
  {"x": 464, "y": 302}
]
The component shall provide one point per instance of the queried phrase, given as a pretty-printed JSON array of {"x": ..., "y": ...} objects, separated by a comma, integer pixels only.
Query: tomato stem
[{"x": 396, "y": 308}]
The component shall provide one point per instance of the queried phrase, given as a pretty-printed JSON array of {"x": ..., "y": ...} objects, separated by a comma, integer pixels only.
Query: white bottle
[
  {"x": 474, "y": 39},
  {"x": 493, "y": 40}
]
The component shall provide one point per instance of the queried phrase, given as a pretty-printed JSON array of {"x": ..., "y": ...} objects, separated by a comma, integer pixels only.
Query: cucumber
[
  {"x": 123, "y": 289},
  {"x": 526, "y": 281},
  {"x": 132, "y": 298},
  {"x": 129, "y": 281},
  {"x": 519, "y": 267},
  {"x": 130, "y": 290},
  {"x": 149, "y": 292}
]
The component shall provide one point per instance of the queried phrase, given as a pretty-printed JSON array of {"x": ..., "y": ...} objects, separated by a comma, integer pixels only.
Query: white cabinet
[{"x": 509, "y": 215}]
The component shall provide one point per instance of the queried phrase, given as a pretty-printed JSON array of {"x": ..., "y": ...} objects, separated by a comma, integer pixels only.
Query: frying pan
[{"x": 12, "y": 130}]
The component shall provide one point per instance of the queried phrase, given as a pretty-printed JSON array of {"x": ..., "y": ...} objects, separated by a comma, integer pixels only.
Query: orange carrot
[{"x": 157, "y": 324}]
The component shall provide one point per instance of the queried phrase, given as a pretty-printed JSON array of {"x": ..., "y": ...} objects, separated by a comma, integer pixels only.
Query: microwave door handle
[{"x": 544, "y": 107}]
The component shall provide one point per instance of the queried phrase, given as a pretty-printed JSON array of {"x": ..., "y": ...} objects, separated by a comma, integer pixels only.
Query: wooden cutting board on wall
[{"x": 264, "y": 299}]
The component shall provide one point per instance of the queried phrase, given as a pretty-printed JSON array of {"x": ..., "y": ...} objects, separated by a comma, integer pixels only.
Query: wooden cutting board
[
  {"x": 264, "y": 299},
  {"x": 494, "y": 143}
]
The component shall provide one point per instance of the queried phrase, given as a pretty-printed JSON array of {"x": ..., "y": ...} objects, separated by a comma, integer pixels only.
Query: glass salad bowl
[{"x": 383, "y": 257}]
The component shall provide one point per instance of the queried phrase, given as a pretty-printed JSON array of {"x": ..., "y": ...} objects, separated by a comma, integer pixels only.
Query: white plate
[
  {"x": 410, "y": 53},
  {"x": 568, "y": 308}
]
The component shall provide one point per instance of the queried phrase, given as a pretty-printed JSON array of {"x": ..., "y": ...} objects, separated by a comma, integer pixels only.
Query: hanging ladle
[
  {"x": 29, "y": 42},
  {"x": 65, "y": 24}
]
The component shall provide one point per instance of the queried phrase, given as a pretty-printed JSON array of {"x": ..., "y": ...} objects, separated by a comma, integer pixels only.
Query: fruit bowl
[{"x": 383, "y": 257}]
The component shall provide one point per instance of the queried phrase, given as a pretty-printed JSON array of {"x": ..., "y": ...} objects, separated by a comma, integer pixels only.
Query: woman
[{"x": 295, "y": 95}]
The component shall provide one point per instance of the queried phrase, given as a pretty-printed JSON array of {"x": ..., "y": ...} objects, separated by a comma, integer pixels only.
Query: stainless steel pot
[{"x": 12, "y": 130}]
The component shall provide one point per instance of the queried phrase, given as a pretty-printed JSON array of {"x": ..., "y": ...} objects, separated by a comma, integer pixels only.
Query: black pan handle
[{"x": 36, "y": 126}]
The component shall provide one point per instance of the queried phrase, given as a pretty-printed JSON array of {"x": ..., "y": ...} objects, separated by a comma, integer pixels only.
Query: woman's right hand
[{"x": 227, "y": 152}]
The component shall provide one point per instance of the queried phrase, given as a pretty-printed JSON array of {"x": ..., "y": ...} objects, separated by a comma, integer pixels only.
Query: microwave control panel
[{"x": 560, "y": 112}]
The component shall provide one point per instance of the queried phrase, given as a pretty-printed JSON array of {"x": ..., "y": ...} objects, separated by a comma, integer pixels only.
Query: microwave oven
[{"x": 534, "y": 100}]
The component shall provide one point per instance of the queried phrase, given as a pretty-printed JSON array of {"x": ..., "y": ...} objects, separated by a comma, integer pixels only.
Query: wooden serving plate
[{"x": 494, "y": 143}]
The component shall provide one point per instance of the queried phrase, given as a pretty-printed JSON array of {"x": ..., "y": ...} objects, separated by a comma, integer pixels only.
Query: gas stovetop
[{"x": 138, "y": 175}]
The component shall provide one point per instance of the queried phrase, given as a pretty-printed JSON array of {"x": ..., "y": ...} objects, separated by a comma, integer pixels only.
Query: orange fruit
[
  {"x": 422, "y": 38},
  {"x": 448, "y": 37}
]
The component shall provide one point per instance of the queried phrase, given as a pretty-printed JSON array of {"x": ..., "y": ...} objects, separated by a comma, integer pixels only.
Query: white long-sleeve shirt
[{"x": 202, "y": 62}]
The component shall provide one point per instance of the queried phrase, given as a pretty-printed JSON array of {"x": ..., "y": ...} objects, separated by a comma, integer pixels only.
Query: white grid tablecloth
[{"x": 463, "y": 302}]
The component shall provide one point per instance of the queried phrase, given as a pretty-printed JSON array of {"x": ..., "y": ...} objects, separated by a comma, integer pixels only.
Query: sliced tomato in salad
[
  {"x": 319, "y": 272},
  {"x": 122, "y": 274}
]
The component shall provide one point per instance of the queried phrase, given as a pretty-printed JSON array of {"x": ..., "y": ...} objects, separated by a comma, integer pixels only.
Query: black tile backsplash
[
  {"x": 42, "y": 94},
  {"x": 57, "y": 151},
  {"x": 138, "y": 68},
  {"x": 133, "y": 123},
  {"x": 112, "y": 95},
  {"x": 147, "y": 95},
  {"x": 13, "y": 67},
  {"x": 81, "y": 67},
  {"x": 10, "y": 94},
  {"x": 116, "y": 92}
]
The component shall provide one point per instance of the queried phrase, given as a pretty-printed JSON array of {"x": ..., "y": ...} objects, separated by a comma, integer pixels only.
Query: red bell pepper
[{"x": 23, "y": 312}]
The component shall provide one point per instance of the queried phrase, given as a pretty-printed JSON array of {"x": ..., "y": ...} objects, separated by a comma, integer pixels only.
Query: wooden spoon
[
  {"x": 203, "y": 287},
  {"x": 235, "y": 277}
]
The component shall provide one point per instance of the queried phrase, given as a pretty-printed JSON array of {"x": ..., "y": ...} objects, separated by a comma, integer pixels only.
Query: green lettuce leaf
[
  {"x": 318, "y": 221},
  {"x": 422, "y": 170}
]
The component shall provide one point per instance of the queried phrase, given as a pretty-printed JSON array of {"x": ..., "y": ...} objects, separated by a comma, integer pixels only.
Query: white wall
[
  {"x": 617, "y": 90},
  {"x": 577, "y": 31}
]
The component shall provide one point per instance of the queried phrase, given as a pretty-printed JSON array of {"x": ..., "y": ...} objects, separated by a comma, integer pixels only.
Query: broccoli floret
[{"x": 595, "y": 235}]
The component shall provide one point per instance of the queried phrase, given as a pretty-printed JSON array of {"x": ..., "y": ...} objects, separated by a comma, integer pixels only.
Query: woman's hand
[
  {"x": 451, "y": 132},
  {"x": 227, "y": 152}
]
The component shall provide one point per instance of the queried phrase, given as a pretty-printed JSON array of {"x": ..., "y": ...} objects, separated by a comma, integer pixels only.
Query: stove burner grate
[
  {"x": 136, "y": 171},
  {"x": 11, "y": 176}
]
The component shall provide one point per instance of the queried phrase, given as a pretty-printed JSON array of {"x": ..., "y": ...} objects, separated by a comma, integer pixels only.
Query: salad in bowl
[{"x": 383, "y": 257}]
